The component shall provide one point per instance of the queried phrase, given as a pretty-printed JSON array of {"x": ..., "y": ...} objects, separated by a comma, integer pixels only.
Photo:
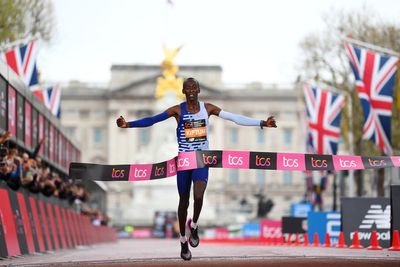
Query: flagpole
[
  {"x": 371, "y": 46},
  {"x": 351, "y": 148}
]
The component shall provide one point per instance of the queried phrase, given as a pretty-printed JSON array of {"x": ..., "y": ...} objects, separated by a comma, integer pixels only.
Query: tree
[
  {"x": 24, "y": 19},
  {"x": 324, "y": 60}
]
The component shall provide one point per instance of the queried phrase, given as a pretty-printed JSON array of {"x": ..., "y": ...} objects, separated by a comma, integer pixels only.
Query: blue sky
[{"x": 253, "y": 40}]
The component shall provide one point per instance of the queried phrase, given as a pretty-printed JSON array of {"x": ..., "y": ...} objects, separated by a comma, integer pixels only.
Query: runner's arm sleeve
[
  {"x": 148, "y": 121},
  {"x": 239, "y": 119}
]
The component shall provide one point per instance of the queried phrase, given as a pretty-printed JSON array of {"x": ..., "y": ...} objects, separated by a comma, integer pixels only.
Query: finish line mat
[{"x": 228, "y": 159}]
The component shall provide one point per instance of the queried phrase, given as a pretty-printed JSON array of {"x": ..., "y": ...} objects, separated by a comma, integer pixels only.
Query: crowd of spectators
[{"x": 29, "y": 171}]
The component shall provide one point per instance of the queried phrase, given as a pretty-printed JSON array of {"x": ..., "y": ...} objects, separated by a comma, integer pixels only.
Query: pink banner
[
  {"x": 67, "y": 154},
  {"x": 171, "y": 167},
  {"x": 187, "y": 161},
  {"x": 28, "y": 124},
  {"x": 347, "y": 162},
  {"x": 51, "y": 143},
  {"x": 235, "y": 159},
  {"x": 396, "y": 161},
  {"x": 41, "y": 133},
  {"x": 271, "y": 230},
  {"x": 140, "y": 172},
  {"x": 291, "y": 161},
  {"x": 142, "y": 233},
  {"x": 12, "y": 111}
]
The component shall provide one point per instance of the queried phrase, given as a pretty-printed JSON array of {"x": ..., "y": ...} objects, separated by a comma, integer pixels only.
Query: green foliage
[
  {"x": 10, "y": 23},
  {"x": 24, "y": 19}
]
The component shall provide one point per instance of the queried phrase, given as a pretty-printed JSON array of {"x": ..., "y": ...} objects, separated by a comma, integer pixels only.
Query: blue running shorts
[{"x": 185, "y": 178}]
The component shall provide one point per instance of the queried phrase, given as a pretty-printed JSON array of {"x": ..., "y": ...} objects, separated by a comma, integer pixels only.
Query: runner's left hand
[{"x": 270, "y": 122}]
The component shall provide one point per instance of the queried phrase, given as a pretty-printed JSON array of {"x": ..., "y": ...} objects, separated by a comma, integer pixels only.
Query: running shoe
[
  {"x": 185, "y": 252},
  {"x": 194, "y": 239}
]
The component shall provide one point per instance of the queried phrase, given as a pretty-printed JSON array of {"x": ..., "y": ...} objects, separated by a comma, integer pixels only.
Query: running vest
[{"x": 192, "y": 130}]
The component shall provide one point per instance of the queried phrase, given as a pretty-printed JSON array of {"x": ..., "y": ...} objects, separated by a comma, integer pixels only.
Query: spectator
[{"x": 14, "y": 162}]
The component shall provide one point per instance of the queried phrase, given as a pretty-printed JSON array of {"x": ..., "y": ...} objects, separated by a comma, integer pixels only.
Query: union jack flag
[
  {"x": 374, "y": 74},
  {"x": 323, "y": 116},
  {"x": 22, "y": 60},
  {"x": 51, "y": 98}
]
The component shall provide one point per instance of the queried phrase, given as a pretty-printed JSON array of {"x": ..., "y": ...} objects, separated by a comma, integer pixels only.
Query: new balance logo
[{"x": 376, "y": 215}]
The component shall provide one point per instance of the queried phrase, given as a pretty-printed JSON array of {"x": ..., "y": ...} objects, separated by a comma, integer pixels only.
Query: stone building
[{"x": 89, "y": 113}]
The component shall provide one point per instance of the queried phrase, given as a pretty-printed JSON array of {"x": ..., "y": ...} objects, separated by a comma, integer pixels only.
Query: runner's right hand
[{"x": 121, "y": 122}]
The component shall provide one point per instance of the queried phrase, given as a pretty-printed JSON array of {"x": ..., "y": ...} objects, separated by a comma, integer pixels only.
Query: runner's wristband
[
  {"x": 239, "y": 119},
  {"x": 146, "y": 122}
]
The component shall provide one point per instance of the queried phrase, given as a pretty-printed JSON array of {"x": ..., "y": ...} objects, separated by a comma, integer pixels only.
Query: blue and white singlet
[{"x": 192, "y": 131}]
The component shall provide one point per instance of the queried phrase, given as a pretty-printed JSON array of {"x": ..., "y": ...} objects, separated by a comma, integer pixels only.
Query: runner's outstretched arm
[
  {"x": 148, "y": 121},
  {"x": 240, "y": 119}
]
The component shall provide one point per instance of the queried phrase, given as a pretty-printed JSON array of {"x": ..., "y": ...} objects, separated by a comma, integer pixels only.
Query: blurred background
[{"x": 97, "y": 60}]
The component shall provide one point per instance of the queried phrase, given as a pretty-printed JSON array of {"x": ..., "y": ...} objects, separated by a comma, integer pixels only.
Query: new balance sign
[
  {"x": 376, "y": 215},
  {"x": 366, "y": 215}
]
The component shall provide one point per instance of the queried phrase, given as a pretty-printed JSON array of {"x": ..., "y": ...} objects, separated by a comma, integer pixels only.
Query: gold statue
[{"x": 169, "y": 81}]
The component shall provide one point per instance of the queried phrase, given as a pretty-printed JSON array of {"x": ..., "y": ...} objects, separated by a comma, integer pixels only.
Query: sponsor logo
[
  {"x": 260, "y": 160},
  {"x": 367, "y": 235},
  {"x": 377, "y": 162},
  {"x": 140, "y": 173},
  {"x": 290, "y": 163},
  {"x": 209, "y": 158},
  {"x": 272, "y": 232},
  {"x": 319, "y": 162},
  {"x": 159, "y": 170},
  {"x": 333, "y": 224},
  {"x": 376, "y": 215},
  {"x": 186, "y": 161},
  {"x": 343, "y": 162},
  {"x": 183, "y": 162},
  {"x": 171, "y": 167},
  {"x": 347, "y": 163},
  {"x": 235, "y": 161},
  {"x": 117, "y": 173}
]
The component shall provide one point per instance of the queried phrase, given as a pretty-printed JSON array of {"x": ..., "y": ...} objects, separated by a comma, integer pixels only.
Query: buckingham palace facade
[{"x": 89, "y": 113}]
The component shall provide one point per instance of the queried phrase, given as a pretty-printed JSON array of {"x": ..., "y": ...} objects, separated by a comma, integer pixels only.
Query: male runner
[{"x": 192, "y": 134}]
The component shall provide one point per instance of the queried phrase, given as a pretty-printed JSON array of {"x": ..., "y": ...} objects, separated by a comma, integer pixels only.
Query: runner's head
[{"x": 191, "y": 89}]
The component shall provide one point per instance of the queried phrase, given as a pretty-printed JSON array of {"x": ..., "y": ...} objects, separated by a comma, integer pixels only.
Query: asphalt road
[{"x": 157, "y": 252}]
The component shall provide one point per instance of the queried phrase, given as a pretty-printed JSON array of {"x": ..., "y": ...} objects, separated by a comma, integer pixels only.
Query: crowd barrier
[{"x": 32, "y": 223}]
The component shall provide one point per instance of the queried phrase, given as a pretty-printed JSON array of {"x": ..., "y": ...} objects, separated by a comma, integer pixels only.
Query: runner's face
[{"x": 191, "y": 91}]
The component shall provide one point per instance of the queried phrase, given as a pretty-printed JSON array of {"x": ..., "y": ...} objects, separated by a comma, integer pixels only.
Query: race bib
[{"x": 195, "y": 131}]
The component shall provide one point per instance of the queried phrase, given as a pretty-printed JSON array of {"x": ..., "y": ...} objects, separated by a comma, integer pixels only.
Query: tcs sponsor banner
[
  {"x": 227, "y": 159},
  {"x": 271, "y": 230},
  {"x": 323, "y": 223},
  {"x": 365, "y": 215}
]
